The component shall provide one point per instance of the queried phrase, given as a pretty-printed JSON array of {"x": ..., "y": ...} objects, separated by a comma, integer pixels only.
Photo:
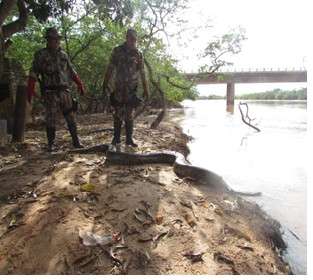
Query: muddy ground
[{"x": 154, "y": 222}]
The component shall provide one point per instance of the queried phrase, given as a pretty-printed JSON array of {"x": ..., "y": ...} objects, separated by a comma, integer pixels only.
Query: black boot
[
  {"x": 73, "y": 131},
  {"x": 50, "y": 136},
  {"x": 129, "y": 126},
  {"x": 117, "y": 132}
]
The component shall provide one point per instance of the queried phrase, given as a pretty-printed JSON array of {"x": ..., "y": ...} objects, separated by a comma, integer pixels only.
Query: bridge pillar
[{"x": 230, "y": 97}]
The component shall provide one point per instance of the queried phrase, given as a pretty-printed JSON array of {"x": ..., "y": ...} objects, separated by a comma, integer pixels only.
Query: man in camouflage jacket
[
  {"x": 128, "y": 64},
  {"x": 53, "y": 69}
]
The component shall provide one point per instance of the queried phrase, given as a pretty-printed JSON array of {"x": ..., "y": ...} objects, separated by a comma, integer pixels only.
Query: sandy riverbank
[{"x": 161, "y": 224}]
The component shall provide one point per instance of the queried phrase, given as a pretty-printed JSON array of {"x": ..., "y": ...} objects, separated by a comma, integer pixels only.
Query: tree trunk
[
  {"x": 3, "y": 133},
  {"x": 1, "y": 53},
  {"x": 19, "y": 114}
]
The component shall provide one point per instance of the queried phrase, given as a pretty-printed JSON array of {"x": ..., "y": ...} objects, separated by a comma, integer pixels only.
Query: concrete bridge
[{"x": 232, "y": 78}]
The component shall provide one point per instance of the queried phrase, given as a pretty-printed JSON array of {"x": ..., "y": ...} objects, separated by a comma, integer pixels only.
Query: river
[{"x": 272, "y": 161}]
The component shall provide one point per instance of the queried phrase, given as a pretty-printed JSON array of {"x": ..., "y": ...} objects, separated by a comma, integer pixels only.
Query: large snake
[{"x": 181, "y": 167}]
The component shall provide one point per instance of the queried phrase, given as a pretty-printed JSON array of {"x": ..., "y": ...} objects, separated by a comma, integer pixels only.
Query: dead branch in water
[{"x": 247, "y": 116}]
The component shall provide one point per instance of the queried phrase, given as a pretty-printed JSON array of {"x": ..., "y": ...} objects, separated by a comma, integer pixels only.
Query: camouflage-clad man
[
  {"x": 52, "y": 67},
  {"x": 128, "y": 64}
]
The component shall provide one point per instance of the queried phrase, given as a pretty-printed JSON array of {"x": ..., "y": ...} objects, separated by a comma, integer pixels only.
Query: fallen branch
[{"x": 246, "y": 117}]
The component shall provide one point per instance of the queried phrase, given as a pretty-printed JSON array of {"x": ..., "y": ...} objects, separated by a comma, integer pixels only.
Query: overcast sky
[{"x": 276, "y": 32}]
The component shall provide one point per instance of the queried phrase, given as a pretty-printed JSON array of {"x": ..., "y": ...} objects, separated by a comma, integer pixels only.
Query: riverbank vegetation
[{"x": 276, "y": 94}]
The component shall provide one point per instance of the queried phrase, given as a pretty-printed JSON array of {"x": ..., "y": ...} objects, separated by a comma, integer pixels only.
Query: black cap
[{"x": 52, "y": 32}]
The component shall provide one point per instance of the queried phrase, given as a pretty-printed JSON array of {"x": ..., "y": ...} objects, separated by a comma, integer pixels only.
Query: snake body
[{"x": 181, "y": 167}]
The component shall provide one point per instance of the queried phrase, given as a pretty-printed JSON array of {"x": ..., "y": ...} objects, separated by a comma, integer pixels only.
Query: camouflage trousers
[
  {"x": 123, "y": 112},
  {"x": 55, "y": 102}
]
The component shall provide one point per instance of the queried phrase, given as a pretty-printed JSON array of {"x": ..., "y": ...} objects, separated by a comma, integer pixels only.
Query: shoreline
[
  {"x": 196, "y": 229},
  {"x": 274, "y": 225}
]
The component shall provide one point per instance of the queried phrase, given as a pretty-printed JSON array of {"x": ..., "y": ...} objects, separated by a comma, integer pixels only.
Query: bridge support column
[{"x": 230, "y": 97}]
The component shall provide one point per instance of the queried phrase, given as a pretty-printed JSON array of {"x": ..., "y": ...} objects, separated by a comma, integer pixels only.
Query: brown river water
[{"x": 272, "y": 161}]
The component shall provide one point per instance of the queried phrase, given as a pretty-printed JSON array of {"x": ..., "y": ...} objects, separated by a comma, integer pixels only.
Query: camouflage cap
[
  {"x": 52, "y": 32},
  {"x": 131, "y": 32}
]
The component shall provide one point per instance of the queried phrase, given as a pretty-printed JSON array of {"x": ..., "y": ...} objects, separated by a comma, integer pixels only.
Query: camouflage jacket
[
  {"x": 128, "y": 64},
  {"x": 53, "y": 67}
]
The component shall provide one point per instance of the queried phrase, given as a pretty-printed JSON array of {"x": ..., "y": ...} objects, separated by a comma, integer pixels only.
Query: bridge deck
[{"x": 248, "y": 77}]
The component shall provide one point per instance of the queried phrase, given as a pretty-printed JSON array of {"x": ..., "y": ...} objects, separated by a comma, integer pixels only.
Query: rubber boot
[
  {"x": 129, "y": 126},
  {"x": 117, "y": 133},
  {"x": 73, "y": 131},
  {"x": 51, "y": 137}
]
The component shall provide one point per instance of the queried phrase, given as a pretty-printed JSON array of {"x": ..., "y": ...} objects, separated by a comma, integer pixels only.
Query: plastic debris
[
  {"x": 212, "y": 206},
  {"x": 91, "y": 239},
  {"x": 231, "y": 204},
  {"x": 146, "y": 173}
]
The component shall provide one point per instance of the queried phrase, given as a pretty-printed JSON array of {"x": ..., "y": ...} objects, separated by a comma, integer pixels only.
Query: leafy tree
[{"x": 277, "y": 94}]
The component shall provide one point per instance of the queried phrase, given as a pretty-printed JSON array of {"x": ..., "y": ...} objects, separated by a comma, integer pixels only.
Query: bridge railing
[{"x": 261, "y": 69}]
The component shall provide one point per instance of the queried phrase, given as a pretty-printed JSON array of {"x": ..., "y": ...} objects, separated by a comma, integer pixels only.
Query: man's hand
[
  {"x": 81, "y": 89},
  {"x": 31, "y": 89},
  {"x": 79, "y": 84}
]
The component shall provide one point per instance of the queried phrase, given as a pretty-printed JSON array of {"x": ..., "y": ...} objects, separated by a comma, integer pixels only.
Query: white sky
[{"x": 277, "y": 34}]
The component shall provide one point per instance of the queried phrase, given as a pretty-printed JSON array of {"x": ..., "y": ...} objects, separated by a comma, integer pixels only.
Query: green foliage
[
  {"x": 89, "y": 44},
  {"x": 219, "y": 50},
  {"x": 276, "y": 94},
  {"x": 92, "y": 28},
  {"x": 117, "y": 11}
]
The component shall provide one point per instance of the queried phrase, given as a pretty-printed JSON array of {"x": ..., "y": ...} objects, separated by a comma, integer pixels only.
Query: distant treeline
[
  {"x": 276, "y": 94},
  {"x": 210, "y": 97}
]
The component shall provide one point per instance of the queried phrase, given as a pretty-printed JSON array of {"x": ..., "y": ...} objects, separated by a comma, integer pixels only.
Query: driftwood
[{"x": 246, "y": 117}]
